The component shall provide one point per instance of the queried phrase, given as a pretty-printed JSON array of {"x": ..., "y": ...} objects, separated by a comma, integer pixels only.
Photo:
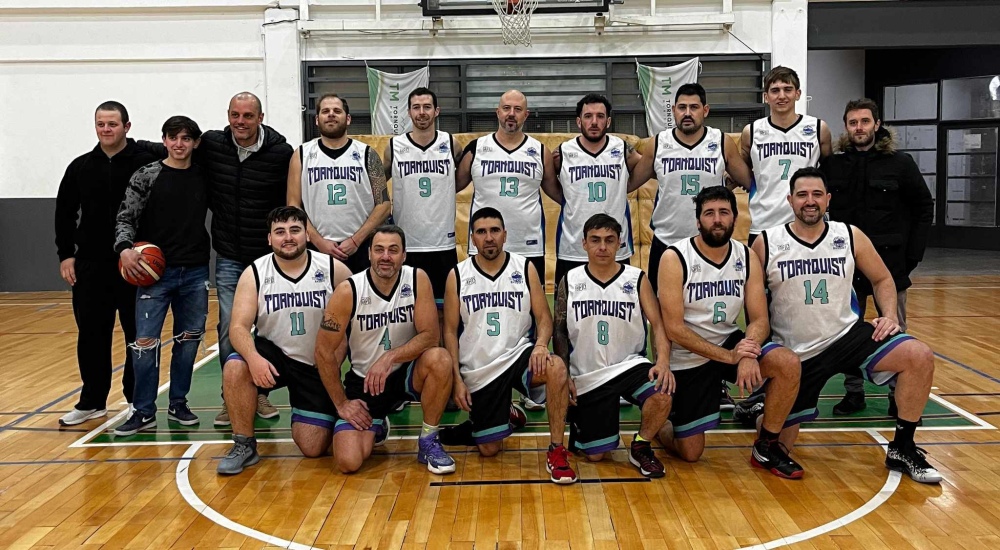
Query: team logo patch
[
  {"x": 808, "y": 130},
  {"x": 580, "y": 287},
  {"x": 313, "y": 154},
  {"x": 319, "y": 276},
  {"x": 695, "y": 269},
  {"x": 486, "y": 149},
  {"x": 572, "y": 155},
  {"x": 366, "y": 301},
  {"x": 443, "y": 148},
  {"x": 628, "y": 288},
  {"x": 616, "y": 153},
  {"x": 713, "y": 147},
  {"x": 516, "y": 278},
  {"x": 268, "y": 280},
  {"x": 762, "y": 132},
  {"x": 784, "y": 247},
  {"x": 406, "y": 291},
  {"x": 668, "y": 145},
  {"x": 404, "y": 149},
  {"x": 469, "y": 281},
  {"x": 839, "y": 243},
  {"x": 531, "y": 152},
  {"x": 356, "y": 155},
  {"x": 738, "y": 266}
]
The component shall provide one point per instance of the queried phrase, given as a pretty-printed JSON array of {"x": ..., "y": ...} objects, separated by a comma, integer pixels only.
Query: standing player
[
  {"x": 600, "y": 332},
  {"x": 284, "y": 294},
  {"x": 507, "y": 169},
  {"x": 809, "y": 265},
  {"x": 776, "y": 147},
  {"x": 704, "y": 285},
  {"x": 685, "y": 160},
  {"x": 493, "y": 304},
  {"x": 341, "y": 183},
  {"x": 421, "y": 165},
  {"x": 593, "y": 171},
  {"x": 386, "y": 317}
]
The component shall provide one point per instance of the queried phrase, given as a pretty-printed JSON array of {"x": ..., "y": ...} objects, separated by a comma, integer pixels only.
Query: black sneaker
[
  {"x": 136, "y": 423},
  {"x": 910, "y": 461},
  {"x": 773, "y": 457},
  {"x": 747, "y": 411},
  {"x": 180, "y": 413},
  {"x": 382, "y": 435},
  {"x": 727, "y": 403},
  {"x": 851, "y": 403},
  {"x": 640, "y": 454},
  {"x": 460, "y": 435}
]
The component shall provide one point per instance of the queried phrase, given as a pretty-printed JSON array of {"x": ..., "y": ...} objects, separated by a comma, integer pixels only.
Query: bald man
[
  {"x": 246, "y": 166},
  {"x": 507, "y": 169}
]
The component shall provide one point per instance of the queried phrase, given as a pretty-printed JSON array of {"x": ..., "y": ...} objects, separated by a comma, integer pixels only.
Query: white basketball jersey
[
  {"x": 289, "y": 311},
  {"x": 380, "y": 323},
  {"x": 423, "y": 192},
  {"x": 592, "y": 184},
  {"x": 681, "y": 172},
  {"x": 812, "y": 298},
  {"x": 497, "y": 324},
  {"x": 607, "y": 330},
  {"x": 336, "y": 192},
  {"x": 713, "y": 297},
  {"x": 775, "y": 155},
  {"x": 510, "y": 182}
]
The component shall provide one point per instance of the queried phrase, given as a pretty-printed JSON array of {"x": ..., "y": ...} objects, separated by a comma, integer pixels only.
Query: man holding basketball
[{"x": 166, "y": 203}]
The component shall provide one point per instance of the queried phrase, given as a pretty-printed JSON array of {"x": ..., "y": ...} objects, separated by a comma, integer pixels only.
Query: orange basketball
[
  {"x": 152, "y": 262},
  {"x": 512, "y": 5}
]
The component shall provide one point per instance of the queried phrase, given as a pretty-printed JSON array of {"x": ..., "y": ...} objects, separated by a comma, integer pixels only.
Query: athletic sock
[
  {"x": 639, "y": 439},
  {"x": 428, "y": 431},
  {"x": 553, "y": 446},
  {"x": 904, "y": 432},
  {"x": 767, "y": 436}
]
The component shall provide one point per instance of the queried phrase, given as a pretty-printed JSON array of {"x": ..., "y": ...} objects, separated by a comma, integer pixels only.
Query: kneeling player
[
  {"x": 387, "y": 317},
  {"x": 601, "y": 313},
  {"x": 498, "y": 300},
  {"x": 284, "y": 294},
  {"x": 705, "y": 283}
]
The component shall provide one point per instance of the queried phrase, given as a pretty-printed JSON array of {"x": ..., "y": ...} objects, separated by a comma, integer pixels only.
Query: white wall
[{"x": 835, "y": 77}]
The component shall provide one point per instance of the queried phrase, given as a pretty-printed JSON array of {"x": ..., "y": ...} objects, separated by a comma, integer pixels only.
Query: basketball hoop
[{"x": 515, "y": 18}]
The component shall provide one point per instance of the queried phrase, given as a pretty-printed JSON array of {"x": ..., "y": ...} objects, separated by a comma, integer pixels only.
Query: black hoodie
[{"x": 91, "y": 191}]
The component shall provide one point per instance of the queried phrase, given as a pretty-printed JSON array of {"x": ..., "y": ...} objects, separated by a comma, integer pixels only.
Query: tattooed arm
[
  {"x": 632, "y": 158},
  {"x": 331, "y": 348},
  {"x": 560, "y": 334},
  {"x": 383, "y": 207}
]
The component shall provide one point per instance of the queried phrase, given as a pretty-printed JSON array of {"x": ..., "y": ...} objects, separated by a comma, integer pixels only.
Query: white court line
[
  {"x": 214, "y": 348},
  {"x": 961, "y": 412},
  {"x": 184, "y": 486},
  {"x": 891, "y": 483}
]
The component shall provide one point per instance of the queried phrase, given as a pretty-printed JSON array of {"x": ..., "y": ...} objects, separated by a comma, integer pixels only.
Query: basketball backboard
[{"x": 445, "y": 8}]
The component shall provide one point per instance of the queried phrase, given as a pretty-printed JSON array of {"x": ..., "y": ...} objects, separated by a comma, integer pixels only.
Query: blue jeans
[
  {"x": 227, "y": 274},
  {"x": 185, "y": 291}
]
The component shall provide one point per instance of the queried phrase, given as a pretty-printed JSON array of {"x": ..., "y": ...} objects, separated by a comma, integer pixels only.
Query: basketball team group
[{"x": 310, "y": 272}]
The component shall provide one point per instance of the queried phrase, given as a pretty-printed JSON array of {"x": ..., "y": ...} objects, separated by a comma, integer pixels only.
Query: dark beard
[
  {"x": 294, "y": 255},
  {"x": 335, "y": 134},
  {"x": 709, "y": 237},
  {"x": 599, "y": 138}
]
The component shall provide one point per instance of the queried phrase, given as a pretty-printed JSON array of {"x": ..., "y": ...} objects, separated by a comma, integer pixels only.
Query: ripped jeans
[{"x": 185, "y": 291}]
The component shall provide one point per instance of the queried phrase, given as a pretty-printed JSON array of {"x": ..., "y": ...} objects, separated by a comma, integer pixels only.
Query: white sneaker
[
  {"x": 622, "y": 402},
  {"x": 76, "y": 416},
  {"x": 530, "y": 405}
]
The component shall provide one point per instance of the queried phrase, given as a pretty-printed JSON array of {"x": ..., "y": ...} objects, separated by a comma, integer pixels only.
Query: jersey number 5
[{"x": 493, "y": 322}]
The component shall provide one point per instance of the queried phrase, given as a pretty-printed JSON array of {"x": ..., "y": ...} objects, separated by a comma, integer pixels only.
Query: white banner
[
  {"x": 387, "y": 97},
  {"x": 658, "y": 86}
]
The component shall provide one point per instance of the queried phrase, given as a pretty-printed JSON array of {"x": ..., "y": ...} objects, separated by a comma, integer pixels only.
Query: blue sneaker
[{"x": 432, "y": 454}]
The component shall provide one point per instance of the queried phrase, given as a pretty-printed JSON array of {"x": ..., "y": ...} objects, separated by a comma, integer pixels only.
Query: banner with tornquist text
[
  {"x": 658, "y": 86},
  {"x": 387, "y": 96}
]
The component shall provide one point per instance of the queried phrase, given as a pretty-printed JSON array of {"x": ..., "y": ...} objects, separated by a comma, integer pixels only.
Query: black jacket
[
  {"x": 881, "y": 192},
  {"x": 93, "y": 187},
  {"x": 240, "y": 194}
]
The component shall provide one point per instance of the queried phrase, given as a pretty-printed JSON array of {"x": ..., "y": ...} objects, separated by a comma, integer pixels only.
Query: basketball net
[{"x": 515, "y": 20}]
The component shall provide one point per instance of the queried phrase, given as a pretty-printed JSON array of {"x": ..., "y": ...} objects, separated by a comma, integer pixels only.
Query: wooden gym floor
[{"x": 82, "y": 488}]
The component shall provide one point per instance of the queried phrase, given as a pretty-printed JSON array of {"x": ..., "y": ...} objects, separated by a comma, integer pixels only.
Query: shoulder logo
[
  {"x": 356, "y": 155},
  {"x": 469, "y": 281},
  {"x": 486, "y": 149},
  {"x": 531, "y": 152},
  {"x": 366, "y": 301},
  {"x": 784, "y": 247},
  {"x": 761, "y": 132},
  {"x": 738, "y": 265},
  {"x": 517, "y": 278},
  {"x": 580, "y": 287},
  {"x": 628, "y": 288},
  {"x": 839, "y": 243},
  {"x": 695, "y": 269},
  {"x": 616, "y": 153},
  {"x": 313, "y": 154},
  {"x": 443, "y": 148},
  {"x": 269, "y": 280},
  {"x": 406, "y": 291},
  {"x": 319, "y": 276},
  {"x": 713, "y": 146},
  {"x": 572, "y": 154},
  {"x": 808, "y": 130}
]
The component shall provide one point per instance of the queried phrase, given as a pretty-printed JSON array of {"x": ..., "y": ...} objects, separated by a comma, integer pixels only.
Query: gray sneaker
[
  {"x": 243, "y": 453},
  {"x": 76, "y": 416}
]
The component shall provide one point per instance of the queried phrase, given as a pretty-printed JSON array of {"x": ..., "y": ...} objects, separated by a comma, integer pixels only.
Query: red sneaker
[{"x": 557, "y": 464}]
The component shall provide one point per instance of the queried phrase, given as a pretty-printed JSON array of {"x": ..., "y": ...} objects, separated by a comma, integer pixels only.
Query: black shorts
[
  {"x": 436, "y": 265},
  {"x": 539, "y": 263},
  {"x": 491, "y": 404},
  {"x": 695, "y": 408},
  {"x": 359, "y": 261},
  {"x": 593, "y": 421},
  {"x": 854, "y": 353},
  {"x": 306, "y": 392},
  {"x": 563, "y": 267},
  {"x": 656, "y": 250},
  {"x": 398, "y": 387},
  {"x": 751, "y": 238}
]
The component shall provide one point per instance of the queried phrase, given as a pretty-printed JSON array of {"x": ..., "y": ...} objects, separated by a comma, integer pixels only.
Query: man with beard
[
  {"x": 386, "y": 321},
  {"x": 704, "y": 285},
  {"x": 342, "y": 183},
  {"x": 685, "y": 160},
  {"x": 497, "y": 330},
  {"x": 880, "y": 191},
  {"x": 778, "y": 145},
  {"x": 809, "y": 267},
  {"x": 507, "y": 168},
  {"x": 600, "y": 332},
  {"x": 284, "y": 294},
  {"x": 421, "y": 165},
  {"x": 593, "y": 171}
]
